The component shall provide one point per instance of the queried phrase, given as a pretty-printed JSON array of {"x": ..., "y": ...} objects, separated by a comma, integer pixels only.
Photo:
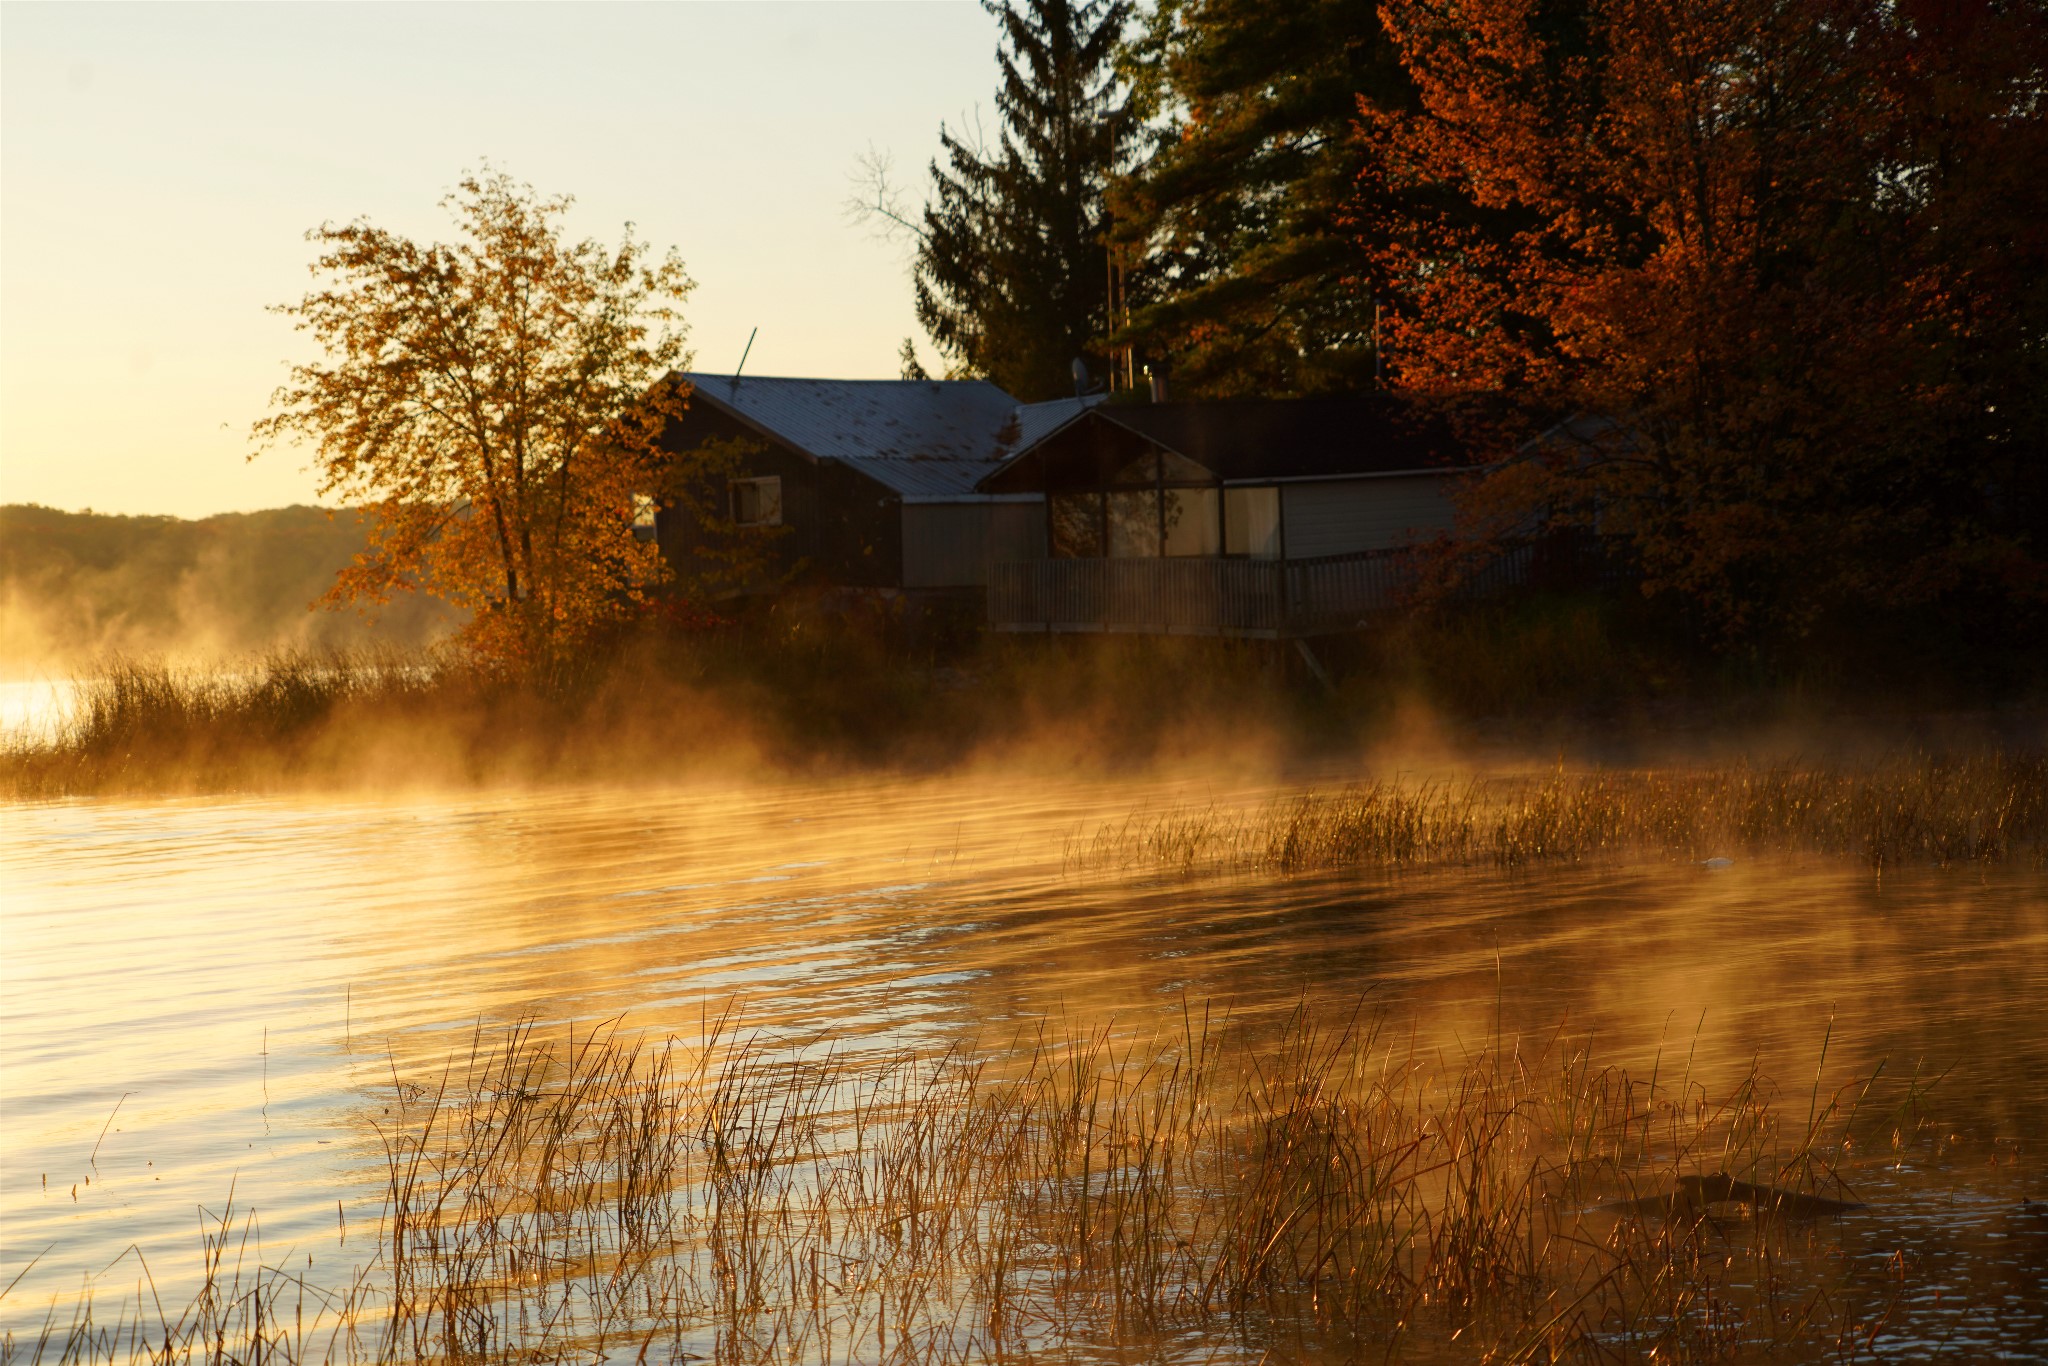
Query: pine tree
[
  {"x": 1011, "y": 274},
  {"x": 908, "y": 365},
  {"x": 1252, "y": 281}
]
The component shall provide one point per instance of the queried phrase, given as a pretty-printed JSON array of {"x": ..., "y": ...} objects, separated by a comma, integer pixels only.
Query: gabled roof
[
  {"x": 1586, "y": 436},
  {"x": 922, "y": 438},
  {"x": 1033, "y": 422},
  {"x": 1242, "y": 440}
]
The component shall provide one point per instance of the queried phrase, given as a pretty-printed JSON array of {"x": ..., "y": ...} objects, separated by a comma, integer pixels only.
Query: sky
[{"x": 160, "y": 165}]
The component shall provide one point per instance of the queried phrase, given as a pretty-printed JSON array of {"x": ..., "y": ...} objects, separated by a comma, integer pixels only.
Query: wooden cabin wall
[
  {"x": 1346, "y": 516},
  {"x": 951, "y": 545},
  {"x": 857, "y": 530},
  {"x": 841, "y": 526}
]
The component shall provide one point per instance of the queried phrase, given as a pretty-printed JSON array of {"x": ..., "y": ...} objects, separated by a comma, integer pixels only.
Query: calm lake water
[{"x": 211, "y": 995}]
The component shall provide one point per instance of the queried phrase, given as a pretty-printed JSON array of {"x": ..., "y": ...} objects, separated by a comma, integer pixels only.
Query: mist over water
[
  {"x": 214, "y": 995},
  {"x": 34, "y": 710}
]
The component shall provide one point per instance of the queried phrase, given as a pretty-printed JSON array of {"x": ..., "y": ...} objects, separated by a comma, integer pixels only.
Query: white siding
[
  {"x": 1342, "y": 517},
  {"x": 950, "y": 545}
]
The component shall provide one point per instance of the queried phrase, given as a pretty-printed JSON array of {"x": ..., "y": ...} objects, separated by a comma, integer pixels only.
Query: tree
[
  {"x": 495, "y": 404},
  {"x": 1011, "y": 274},
  {"x": 1739, "y": 231},
  {"x": 908, "y": 365},
  {"x": 1248, "y": 280}
]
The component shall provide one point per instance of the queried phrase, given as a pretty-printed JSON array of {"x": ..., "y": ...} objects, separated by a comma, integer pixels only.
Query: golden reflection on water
[{"x": 214, "y": 994}]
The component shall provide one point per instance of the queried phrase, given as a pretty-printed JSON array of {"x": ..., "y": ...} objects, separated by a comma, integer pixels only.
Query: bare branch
[{"x": 877, "y": 201}]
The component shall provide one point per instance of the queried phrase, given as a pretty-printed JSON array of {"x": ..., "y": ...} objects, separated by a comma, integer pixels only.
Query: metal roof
[
  {"x": 1033, "y": 422},
  {"x": 925, "y": 439},
  {"x": 1250, "y": 440}
]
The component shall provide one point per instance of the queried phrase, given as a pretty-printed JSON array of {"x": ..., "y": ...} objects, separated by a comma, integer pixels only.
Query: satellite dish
[{"x": 1080, "y": 370}]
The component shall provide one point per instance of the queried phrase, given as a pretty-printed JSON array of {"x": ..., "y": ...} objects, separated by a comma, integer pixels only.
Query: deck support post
[{"x": 1315, "y": 666}]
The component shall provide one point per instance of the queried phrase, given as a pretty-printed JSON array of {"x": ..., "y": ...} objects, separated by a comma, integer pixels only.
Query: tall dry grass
[
  {"x": 292, "y": 718},
  {"x": 1322, "y": 1190},
  {"x": 1982, "y": 808},
  {"x": 136, "y": 722}
]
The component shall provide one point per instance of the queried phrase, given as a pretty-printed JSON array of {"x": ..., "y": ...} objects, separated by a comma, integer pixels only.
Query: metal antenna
[{"x": 743, "y": 357}]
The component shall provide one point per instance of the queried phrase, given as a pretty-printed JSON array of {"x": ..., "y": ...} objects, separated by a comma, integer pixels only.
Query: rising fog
[{"x": 75, "y": 587}]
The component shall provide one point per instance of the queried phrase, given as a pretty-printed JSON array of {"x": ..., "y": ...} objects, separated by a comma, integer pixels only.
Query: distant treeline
[{"x": 74, "y": 585}]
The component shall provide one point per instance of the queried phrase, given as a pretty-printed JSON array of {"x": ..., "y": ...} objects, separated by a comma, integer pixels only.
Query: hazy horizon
[{"x": 162, "y": 164}]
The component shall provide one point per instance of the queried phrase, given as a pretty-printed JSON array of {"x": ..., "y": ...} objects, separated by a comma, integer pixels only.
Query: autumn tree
[
  {"x": 494, "y": 403},
  {"x": 1756, "y": 246}
]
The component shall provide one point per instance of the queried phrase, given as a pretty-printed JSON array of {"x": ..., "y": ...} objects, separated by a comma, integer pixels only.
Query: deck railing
[{"x": 1193, "y": 596}]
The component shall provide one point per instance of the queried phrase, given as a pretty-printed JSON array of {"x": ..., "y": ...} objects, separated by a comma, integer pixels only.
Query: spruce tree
[
  {"x": 1011, "y": 274},
  {"x": 1253, "y": 279}
]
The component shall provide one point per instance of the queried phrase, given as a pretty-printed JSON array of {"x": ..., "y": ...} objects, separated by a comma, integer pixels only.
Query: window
[
  {"x": 644, "y": 508},
  {"x": 1191, "y": 527},
  {"x": 1134, "y": 525},
  {"x": 1251, "y": 523},
  {"x": 757, "y": 502},
  {"x": 1076, "y": 526}
]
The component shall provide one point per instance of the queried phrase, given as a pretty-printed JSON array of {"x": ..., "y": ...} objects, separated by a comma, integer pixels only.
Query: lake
[{"x": 224, "y": 995}]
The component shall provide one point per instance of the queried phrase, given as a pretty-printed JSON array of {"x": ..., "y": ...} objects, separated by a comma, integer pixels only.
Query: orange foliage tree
[
  {"x": 1783, "y": 254},
  {"x": 495, "y": 405}
]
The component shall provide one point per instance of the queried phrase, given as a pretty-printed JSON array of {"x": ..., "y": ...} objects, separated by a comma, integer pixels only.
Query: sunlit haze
[{"x": 160, "y": 165}]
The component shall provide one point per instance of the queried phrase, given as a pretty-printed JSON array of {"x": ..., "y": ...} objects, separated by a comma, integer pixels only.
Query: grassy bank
[
  {"x": 801, "y": 687},
  {"x": 1983, "y": 808},
  {"x": 719, "y": 705},
  {"x": 1317, "y": 1190}
]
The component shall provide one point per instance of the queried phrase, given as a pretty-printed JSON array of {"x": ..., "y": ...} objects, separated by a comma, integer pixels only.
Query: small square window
[
  {"x": 644, "y": 509},
  {"x": 757, "y": 502}
]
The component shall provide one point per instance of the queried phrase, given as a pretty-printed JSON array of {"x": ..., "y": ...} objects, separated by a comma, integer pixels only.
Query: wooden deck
[{"x": 1259, "y": 599}]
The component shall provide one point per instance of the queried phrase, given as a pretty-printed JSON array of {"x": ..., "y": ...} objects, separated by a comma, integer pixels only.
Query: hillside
[{"x": 74, "y": 585}]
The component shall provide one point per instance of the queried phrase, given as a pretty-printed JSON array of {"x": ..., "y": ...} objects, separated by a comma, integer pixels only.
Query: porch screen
[
  {"x": 1134, "y": 525},
  {"x": 1251, "y": 523},
  {"x": 1191, "y": 527}
]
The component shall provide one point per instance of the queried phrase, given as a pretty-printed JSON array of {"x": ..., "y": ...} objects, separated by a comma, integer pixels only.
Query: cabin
[
  {"x": 876, "y": 480},
  {"x": 1276, "y": 517},
  {"x": 1263, "y": 518}
]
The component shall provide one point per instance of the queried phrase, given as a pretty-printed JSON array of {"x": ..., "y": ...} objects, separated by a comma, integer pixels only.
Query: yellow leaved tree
[{"x": 495, "y": 404}]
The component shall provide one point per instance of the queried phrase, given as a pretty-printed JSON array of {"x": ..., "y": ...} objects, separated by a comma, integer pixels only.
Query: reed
[
  {"x": 1983, "y": 808},
  {"x": 150, "y": 724},
  {"x": 1319, "y": 1189}
]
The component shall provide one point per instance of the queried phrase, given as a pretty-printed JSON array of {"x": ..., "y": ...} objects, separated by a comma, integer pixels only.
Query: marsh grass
[
  {"x": 146, "y": 722},
  {"x": 1319, "y": 1189},
  {"x": 294, "y": 718},
  {"x": 790, "y": 692},
  {"x": 1984, "y": 808}
]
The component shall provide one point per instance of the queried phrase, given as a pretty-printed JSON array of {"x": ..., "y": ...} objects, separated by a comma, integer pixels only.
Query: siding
[
  {"x": 950, "y": 545},
  {"x": 1343, "y": 517},
  {"x": 839, "y": 525}
]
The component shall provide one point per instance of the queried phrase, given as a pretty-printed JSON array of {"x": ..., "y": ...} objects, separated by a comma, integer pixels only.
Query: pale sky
[{"x": 160, "y": 164}]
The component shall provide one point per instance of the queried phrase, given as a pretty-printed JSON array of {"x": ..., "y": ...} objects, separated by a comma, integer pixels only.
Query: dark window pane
[
  {"x": 1252, "y": 519},
  {"x": 1076, "y": 520},
  {"x": 1143, "y": 472},
  {"x": 1134, "y": 525},
  {"x": 1191, "y": 524}
]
